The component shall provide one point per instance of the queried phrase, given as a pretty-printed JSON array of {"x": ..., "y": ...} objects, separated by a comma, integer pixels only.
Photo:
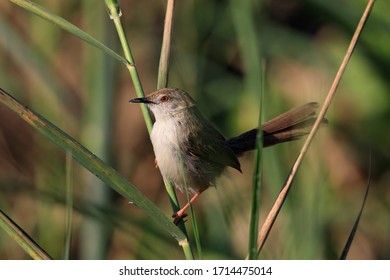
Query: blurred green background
[{"x": 86, "y": 93}]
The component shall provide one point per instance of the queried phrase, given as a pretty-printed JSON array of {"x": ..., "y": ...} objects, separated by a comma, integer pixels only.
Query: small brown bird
[{"x": 188, "y": 146}]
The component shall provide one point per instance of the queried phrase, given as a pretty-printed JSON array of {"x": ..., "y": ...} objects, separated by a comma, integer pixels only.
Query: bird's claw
[{"x": 178, "y": 216}]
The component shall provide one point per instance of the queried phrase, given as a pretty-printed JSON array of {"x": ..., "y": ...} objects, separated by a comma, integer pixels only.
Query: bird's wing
[{"x": 212, "y": 148}]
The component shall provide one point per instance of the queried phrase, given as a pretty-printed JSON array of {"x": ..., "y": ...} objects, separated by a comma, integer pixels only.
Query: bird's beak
[{"x": 141, "y": 100}]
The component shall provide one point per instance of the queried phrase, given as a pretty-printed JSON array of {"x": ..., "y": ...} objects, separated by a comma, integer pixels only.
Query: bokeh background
[{"x": 86, "y": 93}]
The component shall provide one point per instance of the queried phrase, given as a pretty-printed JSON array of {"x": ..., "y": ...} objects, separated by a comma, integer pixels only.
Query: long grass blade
[
  {"x": 66, "y": 25},
  {"x": 243, "y": 16},
  {"x": 68, "y": 204},
  {"x": 95, "y": 165},
  {"x": 22, "y": 238},
  {"x": 351, "y": 236},
  {"x": 257, "y": 181},
  {"x": 266, "y": 228}
]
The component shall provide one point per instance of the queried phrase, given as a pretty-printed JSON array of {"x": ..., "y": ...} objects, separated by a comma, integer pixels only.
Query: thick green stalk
[{"x": 115, "y": 14}]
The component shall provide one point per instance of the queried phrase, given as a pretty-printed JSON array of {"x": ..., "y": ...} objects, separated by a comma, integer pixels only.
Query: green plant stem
[{"x": 115, "y": 14}]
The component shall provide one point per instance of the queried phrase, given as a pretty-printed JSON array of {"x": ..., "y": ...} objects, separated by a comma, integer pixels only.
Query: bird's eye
[{"x": 164, "y": 98}]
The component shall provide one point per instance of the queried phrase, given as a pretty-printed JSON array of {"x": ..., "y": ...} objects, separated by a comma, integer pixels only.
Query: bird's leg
[
  {"x": 182, "y": 212},
  {"x": 155, "y": 163}
]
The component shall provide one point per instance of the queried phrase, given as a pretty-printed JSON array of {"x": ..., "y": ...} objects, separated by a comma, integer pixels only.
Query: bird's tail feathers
[{"x": 286, "y": 127}]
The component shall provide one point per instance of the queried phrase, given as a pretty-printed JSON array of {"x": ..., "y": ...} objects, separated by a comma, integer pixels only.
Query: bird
[{"x": 191, "y": 153}]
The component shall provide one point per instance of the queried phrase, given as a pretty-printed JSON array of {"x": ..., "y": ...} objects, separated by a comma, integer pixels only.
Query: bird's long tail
[{"x": 286, "y": 127}]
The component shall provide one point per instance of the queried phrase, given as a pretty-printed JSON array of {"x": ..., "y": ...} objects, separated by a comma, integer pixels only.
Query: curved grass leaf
[
  {"x": 95, "y": 165},
  {"x": 351, "y": 236},
  {"x": 22, "y": 238},
  {"x": 66, "y": 25}
]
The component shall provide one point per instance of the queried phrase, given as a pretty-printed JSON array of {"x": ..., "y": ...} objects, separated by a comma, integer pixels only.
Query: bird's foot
[{"x": 179, "y": 215}]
